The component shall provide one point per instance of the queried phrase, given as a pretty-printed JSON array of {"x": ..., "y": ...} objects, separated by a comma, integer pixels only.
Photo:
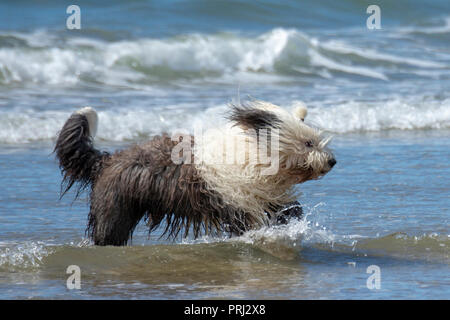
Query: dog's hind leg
[{"x": 112, "y": 223}]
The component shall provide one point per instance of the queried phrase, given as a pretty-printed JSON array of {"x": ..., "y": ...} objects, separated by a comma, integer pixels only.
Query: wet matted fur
[{"x": 199, "y": 197}]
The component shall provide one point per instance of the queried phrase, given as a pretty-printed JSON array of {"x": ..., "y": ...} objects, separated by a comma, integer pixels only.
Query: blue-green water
[{"x": 150, "y": 66}]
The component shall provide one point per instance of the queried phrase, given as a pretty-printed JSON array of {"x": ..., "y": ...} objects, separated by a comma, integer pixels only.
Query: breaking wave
[
  {"x": 284, "y": 242},
  {"x": 24, "y": 125},
  {"x": 44, "y": 58}
]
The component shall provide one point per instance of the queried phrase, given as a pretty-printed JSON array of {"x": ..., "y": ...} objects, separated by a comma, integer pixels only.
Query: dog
[{"x": 186, "y": 182}]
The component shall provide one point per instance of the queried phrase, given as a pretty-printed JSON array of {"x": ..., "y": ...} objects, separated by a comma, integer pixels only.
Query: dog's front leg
[{"x": 291, "y": 210}]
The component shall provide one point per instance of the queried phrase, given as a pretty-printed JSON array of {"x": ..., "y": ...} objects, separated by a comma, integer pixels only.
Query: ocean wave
[
  {"x": 392, "y": 114},
  {"x": 20, "y": 125},
  {"x": 433, "y": 247},
  {"x": 436, "y": 29},
  {"x": 283, "y": 242},
  {"x": 286, "y": 241},
  {"x": 43, "y": 58},
  {"x": 28, "y": 125},
  {"x": 26, "y": 255},
  {"x": 136, "y": 61}
]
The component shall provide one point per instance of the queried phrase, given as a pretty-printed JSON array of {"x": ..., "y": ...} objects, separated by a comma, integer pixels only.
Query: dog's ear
[
  {"x": 300, "y": 110},
  {"x": 248, "y": 117}
]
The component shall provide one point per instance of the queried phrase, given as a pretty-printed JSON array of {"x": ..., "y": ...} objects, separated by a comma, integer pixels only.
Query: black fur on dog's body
[{"x": 143, "y": 182}]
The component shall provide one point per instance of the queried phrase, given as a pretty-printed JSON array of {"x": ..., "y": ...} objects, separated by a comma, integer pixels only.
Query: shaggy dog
[{"x": 219, "y": 183}]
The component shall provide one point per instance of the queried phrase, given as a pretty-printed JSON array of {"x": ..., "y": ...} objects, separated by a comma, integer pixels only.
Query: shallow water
[
  {"x": 149, "y": 67},
  {"x": 390, "y": 210}
]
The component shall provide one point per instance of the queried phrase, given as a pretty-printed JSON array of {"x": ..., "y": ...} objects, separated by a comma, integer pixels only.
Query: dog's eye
[{"x": 309, "y": 144}]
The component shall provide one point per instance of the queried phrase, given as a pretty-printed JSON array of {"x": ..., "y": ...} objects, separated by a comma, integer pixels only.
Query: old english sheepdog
[{"x": 230, "y": 179}]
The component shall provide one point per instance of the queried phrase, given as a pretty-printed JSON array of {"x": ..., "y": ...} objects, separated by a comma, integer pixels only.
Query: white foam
[
  {"x": 318, "y": 59},
  {"x": 22, "y": 255},
  {"x": 282, "y": 241},
  {"x": 358, "y": 116},
  {"x": 370, "y": 54},
  {"x": 268, "y": 57},
  {"x": 134, "y": 123},
  {"x": 289, "y": 235},
  {"x": 122, "y": 62},
  {"x": 27, "y": 125}
]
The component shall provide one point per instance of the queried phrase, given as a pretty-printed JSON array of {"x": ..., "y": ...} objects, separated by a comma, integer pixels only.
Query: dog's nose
[{"x": 331, "y": 162}]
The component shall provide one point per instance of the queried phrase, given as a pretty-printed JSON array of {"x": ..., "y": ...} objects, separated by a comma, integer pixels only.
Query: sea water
[{"x": 149, "y": 67}]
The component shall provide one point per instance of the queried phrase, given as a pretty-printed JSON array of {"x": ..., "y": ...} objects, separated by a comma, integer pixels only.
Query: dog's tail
[{"x": 79, "y": 161}]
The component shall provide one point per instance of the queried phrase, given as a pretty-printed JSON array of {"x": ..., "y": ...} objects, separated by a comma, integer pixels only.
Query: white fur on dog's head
[
  {"x": 92, "y": 117},
  {"x": 301, "y": 152}
]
